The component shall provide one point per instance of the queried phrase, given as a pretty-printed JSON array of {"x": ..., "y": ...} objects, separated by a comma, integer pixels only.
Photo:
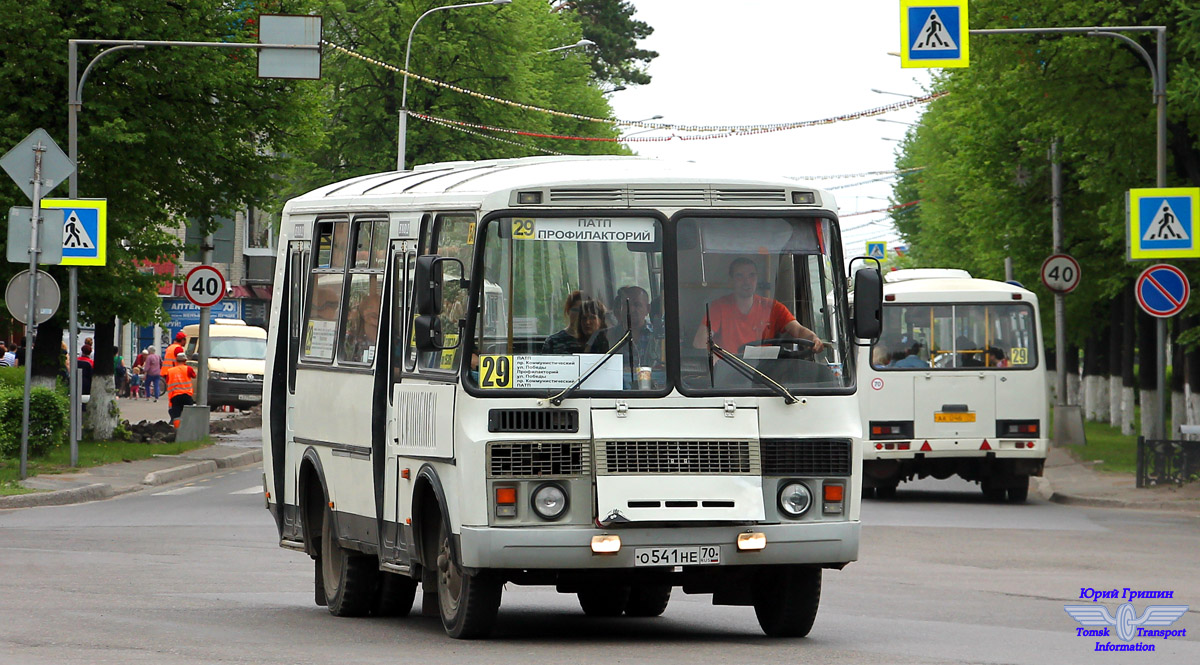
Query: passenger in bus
[
  {"x": 744, "y": 317},
  {"x": 908, "y": 354},
  {"x": 996, "y": 357},
  {"x": 968, "y": 352},
  {"x": 585, "y": 328},
  {"x": 362, "y": 329},
  {"x": 631, "y": 307},
  {"x": 880, "y": 355}
]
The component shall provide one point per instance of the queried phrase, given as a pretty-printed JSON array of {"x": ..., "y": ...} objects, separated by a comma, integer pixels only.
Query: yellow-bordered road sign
[
  {"x": 934, "y": 33},
  {"x": 85, "y": 230},
  {"x": 1162, "y": 223},
  {"x": 877, "y": 249}
]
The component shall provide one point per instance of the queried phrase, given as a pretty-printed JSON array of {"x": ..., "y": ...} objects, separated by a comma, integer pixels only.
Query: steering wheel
[{"x": 789, "y": 347}]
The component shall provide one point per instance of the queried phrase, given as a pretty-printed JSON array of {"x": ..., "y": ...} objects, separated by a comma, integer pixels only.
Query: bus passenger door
[
  {"x": 397, "y": 490},
  {"x": 297, "y": 270}
]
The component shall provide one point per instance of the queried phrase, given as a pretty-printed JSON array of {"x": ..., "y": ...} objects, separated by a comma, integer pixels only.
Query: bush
[
  {"x": 12, "y": 377},
  {"x": 48, "y": 421}
]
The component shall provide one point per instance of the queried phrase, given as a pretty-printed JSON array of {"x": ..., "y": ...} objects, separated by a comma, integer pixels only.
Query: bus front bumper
[{"x": 825, "y": 543}]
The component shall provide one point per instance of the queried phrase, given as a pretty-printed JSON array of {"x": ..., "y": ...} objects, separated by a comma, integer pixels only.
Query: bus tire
[
  {"x": 349, "y": 577},
  {"x": 1018, "y": 492},
  {"x": 648, "y": 600},
  {"x": 395, "y": 595},
  {"x": 786, "y": 600},
  {"x": 886, "y": 491},
  {"x": 992, "y": 491},
  {"x": 468, "y": 603},
  {"x": 604, "y": 601}
]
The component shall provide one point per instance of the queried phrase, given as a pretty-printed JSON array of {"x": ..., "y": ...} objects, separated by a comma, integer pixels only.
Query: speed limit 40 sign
[
  {"x": 1060, "y": 273},
  {"x": 204, "y": 286}
]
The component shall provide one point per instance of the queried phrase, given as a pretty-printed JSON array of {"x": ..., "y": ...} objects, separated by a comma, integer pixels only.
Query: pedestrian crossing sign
[
  {"x": 877, "y": 250},
  {"x": 1162, "y": 223},
  {"x": 933, "y": 33},
  {"x": 85, "y": 230}
]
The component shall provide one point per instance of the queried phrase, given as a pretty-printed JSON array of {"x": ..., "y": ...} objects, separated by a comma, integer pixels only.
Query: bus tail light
[
  {"x": 506, "y": 502},
  {"x": 891, "y": 429},
  {"x": 1011, "y": 429},
  {"x": 834, "y": 494}
]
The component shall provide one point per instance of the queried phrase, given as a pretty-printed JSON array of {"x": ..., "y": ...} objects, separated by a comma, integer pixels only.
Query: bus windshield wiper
[
  {"x": 566, "y": 392},
  {"x": 750, "y": 372}
]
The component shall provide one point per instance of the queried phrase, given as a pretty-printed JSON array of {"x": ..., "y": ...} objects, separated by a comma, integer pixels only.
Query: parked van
[{"x": 237, "y": 359}]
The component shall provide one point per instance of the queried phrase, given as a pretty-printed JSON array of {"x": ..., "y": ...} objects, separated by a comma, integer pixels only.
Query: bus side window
[
  {"x": 454, "y": 237},
  {"x": 324, "y": 302},
  {"x": 360, "y": 322}
]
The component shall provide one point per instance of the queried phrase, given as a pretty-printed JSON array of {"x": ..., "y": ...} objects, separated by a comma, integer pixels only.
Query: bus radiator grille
[
  {"x": 536, "y": 459},
  {"x": 670, "y": 457},
  {"x": 806, "y": 457}
]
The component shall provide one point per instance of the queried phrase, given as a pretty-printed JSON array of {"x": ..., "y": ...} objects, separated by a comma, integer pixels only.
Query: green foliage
[
  {"x": 11, "y": 377},
  {"x": 164, "y": 132},
  {"x": 985, "y": 188},
  {"x": 48, "y": 414},
  {"x": 616, "y": 57}
]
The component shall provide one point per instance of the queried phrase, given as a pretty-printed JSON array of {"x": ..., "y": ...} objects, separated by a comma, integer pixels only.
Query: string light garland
[
  {"x": 712, "y": 131},
  {"x": 494, "y": 138},
  {"x": 898, "y": 206}
]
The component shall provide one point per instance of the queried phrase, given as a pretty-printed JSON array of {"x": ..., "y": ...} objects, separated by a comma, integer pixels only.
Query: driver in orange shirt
[{"x": 743, "y": 317}]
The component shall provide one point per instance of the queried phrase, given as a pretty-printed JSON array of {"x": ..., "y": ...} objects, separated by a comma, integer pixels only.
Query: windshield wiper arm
[
  {"x": 749, "y": 371},
  {"x": 566, "y": 392}
]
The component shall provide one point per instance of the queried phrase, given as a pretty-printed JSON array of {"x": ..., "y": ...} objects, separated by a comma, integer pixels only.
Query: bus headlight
[
  {"x": 794, "y": 499},
  {"x": 549, "y": 501}
]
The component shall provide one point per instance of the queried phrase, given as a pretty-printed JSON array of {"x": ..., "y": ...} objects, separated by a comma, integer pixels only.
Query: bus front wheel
[
  {"x": 649, "y": 600},
  {"x": 786, "y": 600},
  {"x": 604, "y": 601},
  {"x": 468, "y": 603},
  {"x": 348, "y": 578}
]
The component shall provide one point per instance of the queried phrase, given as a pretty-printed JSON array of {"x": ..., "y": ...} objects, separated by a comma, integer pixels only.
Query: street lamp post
[
  {"x": 583, "y": 43},
  {"x": 400, "y": 140}
]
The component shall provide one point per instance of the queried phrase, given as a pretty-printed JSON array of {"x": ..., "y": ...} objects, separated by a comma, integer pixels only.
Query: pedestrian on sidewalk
[
  {"x": 170, "y": 356},
  {"x": 179, "y": 387},
  {"x": 153, "y": 372},
  {"x": 4, "y": 361},
  {"x": 85, "y": 365},
  {"x": 135, "y": 382}
]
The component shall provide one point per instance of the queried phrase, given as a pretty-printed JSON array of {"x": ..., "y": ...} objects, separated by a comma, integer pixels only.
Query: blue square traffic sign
[
  {"x": 934, "y": 33},
  {"x": 1162, "y": 223},
  {"x": 85, "y": 231}
]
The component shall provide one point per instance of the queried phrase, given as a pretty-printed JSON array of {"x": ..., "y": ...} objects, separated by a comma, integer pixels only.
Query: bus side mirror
[
  {"x": 868, "y": 303},
  {"x": 427, "y": 282},
  {"x": 428, "y": 331}
]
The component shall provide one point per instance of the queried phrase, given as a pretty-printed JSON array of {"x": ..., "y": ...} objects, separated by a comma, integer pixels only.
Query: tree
[
  {"x": 984, "y": 191},
  {"x": 164, "y": 133},
  {"x": 498, "y": 51},
  {"x": 616, "y": 57}
]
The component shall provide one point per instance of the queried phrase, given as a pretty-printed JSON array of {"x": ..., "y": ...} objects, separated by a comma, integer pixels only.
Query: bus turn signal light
[{"x": 506, "y": 502}]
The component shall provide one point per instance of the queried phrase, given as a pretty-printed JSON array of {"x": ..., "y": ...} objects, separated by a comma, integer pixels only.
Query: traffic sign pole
[{"x": 31, "y": 322}]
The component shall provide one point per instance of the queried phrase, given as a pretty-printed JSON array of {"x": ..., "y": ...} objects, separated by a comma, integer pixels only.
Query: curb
[
  {"x": 1102, "y": 502},
  {"x": 93, "y": 492},
  {"x": 98, "y": 491}
]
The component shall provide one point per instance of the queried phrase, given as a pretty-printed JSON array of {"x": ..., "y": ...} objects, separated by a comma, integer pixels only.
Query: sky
[{"x": 764, "y": 61}]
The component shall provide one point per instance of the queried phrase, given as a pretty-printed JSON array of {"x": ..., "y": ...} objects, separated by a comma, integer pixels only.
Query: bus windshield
[
  {"x": 560, "y": 292},
  {"x": 956, "y": 336},
  {"x": 763, "y": 290}
]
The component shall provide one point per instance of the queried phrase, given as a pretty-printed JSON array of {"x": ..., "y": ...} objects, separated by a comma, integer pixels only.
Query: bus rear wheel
[
  {"x": 348, "y": 578},
  {"x": 468, "y": 603},
  {"x": 1018, "y": 492},
  {"x": 395, "y": 595},
  {"x": 786, "y": 600}
]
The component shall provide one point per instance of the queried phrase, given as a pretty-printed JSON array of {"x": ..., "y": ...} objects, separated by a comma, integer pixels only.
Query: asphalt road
[{"x": 192, "y": 573}]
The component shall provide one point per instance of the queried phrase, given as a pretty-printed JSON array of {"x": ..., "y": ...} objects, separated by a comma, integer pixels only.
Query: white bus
[
  {"x": 954, "y": 385},
  {"x": 486, "y": 372}
]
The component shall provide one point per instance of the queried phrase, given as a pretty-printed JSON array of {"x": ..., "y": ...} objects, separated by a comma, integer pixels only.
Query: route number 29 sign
[{"x": 204, "y": 286}]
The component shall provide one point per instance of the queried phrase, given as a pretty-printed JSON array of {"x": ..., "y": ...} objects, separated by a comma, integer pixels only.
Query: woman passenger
[{"x": 585, "y": 328}]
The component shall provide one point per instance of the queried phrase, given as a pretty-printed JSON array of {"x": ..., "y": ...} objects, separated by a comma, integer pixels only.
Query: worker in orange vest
[
  {"x": 169, "y": 359},
  {"x": 179, "y": 387}
]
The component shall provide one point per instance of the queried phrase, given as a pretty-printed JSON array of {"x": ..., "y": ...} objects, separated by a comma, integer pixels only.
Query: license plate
[
  {"x": 954, "y": 417},
  {"x": 249, "y": 398},
  {"x": 677, "y": 556}
]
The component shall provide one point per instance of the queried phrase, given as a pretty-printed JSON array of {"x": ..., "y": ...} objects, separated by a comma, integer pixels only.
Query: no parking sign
[{"x": 1163, "y": 290}]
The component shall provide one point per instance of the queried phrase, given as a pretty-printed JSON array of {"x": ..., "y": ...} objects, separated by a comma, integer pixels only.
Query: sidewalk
[{"x": 1069, "y": 481}]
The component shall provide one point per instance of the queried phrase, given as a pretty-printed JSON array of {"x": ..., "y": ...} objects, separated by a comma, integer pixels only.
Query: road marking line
[
  {"x": 249, "y": 490},
  {"x": 179, "y": 490}
]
